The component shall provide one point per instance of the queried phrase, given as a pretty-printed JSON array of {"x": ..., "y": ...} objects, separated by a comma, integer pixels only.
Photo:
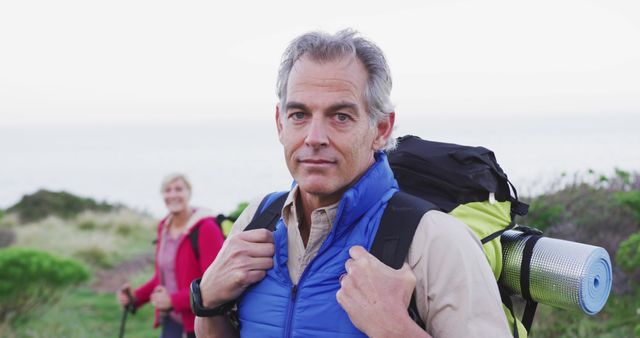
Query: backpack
[
  {"x": 464, "y": 181},
  {"x": 469, "y": 184},
  {"x": 224, "y": 222}
]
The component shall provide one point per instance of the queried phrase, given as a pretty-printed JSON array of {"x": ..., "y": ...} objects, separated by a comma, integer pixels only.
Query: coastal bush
[
  {"x": 87, "y": 225},
  {"x": 31, "y": 278},
  {"x": 628, "y": 256},
  {"x": 94, "y": 256},
  {"x": 44, "y": 203},
  {"x": 7, "y": 237},
  {"x": 544, "y": 214},
  {"x": 227, "y": 224},
  {"x": 117, "y": 236},
  {"x": 239, "y": 209},
  {"x": 124, "y": 229},
  {"x": 9, "y": 220},
  {"x": 619, "y": 318},
  {"x": 630, "y": 199},
  {"x": 82, "y": 312},
  {"x": 588, "y": 208}
]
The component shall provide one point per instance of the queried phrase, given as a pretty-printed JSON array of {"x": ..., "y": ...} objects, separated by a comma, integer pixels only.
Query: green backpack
[{"x": 467, "y": 183}]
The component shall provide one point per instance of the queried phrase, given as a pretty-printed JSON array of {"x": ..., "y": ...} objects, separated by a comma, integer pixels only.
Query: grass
[
  {"x": 101, "y": 240},
  {"x": 619, "y": 318},
  {"x": 601, "y": 210},
  {"x": 83, "y": 313},
  {"x": 598, "y": 210},
  {"x": 98, "y": 239}
]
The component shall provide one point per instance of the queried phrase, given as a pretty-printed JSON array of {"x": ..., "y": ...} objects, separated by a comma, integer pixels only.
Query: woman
[{"x": 177, "y": 261}]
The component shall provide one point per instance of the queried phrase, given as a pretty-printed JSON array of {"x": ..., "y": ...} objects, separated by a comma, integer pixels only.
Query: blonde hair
[{"x": 174, "y": 177}]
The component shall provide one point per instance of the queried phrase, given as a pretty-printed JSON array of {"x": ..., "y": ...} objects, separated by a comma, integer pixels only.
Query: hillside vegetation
[
  {"x": 602, "y": 210},
  {"x": 43, "y": 203},
  {"x": 48, "y": 233}
]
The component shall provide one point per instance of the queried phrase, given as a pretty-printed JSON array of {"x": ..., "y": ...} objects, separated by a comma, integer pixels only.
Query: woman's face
[{"x": 176, "y": 196}]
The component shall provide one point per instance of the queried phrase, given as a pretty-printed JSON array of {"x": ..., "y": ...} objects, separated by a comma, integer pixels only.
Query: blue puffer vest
[{"x": 275, "y": 307}]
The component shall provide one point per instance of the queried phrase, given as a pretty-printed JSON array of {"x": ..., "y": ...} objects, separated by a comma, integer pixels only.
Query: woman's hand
[
  {"x": 160, "y": 298},
  {"x": 124, "y": 295}
]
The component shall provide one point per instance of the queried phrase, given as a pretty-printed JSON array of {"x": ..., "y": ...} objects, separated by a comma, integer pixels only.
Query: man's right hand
[{"x": 242, "y": 261}]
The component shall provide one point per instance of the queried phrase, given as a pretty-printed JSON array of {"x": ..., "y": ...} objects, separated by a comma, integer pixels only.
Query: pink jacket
[{"x": 187, "y": 268}]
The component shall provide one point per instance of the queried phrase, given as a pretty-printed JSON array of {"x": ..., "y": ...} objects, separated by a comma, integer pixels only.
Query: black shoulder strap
[
  {"x": 267, "y": 216},
  {"x": 396, "y": 229},
  {"x": 395, "y": 234},
  {"x": 193, "y": 237},
  {"x": 266, "y": 219}
]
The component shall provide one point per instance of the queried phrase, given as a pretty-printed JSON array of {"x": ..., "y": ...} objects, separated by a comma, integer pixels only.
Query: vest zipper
[
  {"x": 294, "y": 289},
  {"x": 292, "y": 300}
]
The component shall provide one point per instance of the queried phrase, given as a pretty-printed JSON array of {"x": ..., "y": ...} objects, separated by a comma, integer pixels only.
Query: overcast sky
[{"x": 88, "y": 62}]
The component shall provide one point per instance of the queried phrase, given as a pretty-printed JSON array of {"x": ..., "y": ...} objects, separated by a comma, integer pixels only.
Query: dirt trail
[{"x": 109, "y": 280}]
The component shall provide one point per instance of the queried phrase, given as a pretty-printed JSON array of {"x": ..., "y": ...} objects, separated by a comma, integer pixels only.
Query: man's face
[{"x": 324, "y": 127}]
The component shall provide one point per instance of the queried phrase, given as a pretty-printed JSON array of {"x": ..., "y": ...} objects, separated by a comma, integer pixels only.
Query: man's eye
[
  {"x": 298, "y": 115},
  {"x": 342, "y": 117}
]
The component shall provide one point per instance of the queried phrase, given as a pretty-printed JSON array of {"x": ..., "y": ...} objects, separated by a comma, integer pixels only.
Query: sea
[{"x": 232, "y": 161}]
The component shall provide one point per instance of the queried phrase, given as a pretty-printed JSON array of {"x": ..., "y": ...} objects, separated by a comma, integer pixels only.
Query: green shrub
[
  {"x": 617, "y": 319},
  {"x": 87, "y": 225},
  {"x": 544, "y": 214},
  {"x": 236, "y": 213},
  {"x": 7, "y": 237},
  {"x": 628, "y": 256},
  {"x": 123, "y": 229},
  {"x": 43, "y": 203},
  {"x": 630, "y": 199},
  {"x": 624, "y": 176},
  {"x": 31, "y": 278},
  {"x": 94, "y": 256}
]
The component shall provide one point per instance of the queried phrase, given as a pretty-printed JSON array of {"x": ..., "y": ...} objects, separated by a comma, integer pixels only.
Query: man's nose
[{"x": 317, "y": 133}]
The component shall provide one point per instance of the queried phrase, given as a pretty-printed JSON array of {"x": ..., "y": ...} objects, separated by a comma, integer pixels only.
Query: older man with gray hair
[{"x": 313, "y": 276}]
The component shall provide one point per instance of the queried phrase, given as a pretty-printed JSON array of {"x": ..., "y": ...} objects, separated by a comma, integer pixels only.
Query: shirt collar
[{"x": 376, "y": 183}]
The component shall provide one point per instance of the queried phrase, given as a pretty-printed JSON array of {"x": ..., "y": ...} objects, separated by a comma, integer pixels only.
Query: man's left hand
[{"x": 376, "y": 296}]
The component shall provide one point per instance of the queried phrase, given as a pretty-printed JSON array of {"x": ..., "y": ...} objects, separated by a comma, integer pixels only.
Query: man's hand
[
  {"x": 242, "y": 261},
  {"x": 376, "y": 296},
  {"x": 160, "y": 298}
]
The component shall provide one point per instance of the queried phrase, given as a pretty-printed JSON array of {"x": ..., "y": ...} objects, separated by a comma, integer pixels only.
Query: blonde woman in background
[{"x": 177, "y": 260}]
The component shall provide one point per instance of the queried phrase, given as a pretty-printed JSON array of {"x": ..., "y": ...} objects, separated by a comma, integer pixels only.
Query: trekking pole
[{"x": 127, "y": 308}]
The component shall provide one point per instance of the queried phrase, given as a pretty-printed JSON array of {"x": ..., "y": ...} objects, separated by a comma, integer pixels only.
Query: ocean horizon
[{"x": 234, "y": 161}]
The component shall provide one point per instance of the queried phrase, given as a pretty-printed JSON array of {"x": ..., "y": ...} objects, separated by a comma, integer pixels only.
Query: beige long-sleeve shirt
[{"x": 456, "y": 293}]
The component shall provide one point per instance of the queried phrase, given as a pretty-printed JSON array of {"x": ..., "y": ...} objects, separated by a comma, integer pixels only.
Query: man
[{"x": 313, "y": 276}]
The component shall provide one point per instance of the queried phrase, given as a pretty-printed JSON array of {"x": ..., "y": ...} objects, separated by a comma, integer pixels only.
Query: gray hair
[
  {"x": 174, "y": 177},
  {"x": 321, "y": 46}
]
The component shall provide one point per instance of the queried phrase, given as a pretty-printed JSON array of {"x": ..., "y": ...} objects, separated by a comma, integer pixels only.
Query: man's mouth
[{"x": 316, "y": 161}]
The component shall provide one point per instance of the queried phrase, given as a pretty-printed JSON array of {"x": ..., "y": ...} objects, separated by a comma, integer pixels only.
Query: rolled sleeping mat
[{"x": 562, "y": 274}]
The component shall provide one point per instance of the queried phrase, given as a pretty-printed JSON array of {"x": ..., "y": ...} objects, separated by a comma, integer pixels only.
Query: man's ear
[
  {"x": 278, "y": 122},
  {"x": 384, "y": 129}
]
